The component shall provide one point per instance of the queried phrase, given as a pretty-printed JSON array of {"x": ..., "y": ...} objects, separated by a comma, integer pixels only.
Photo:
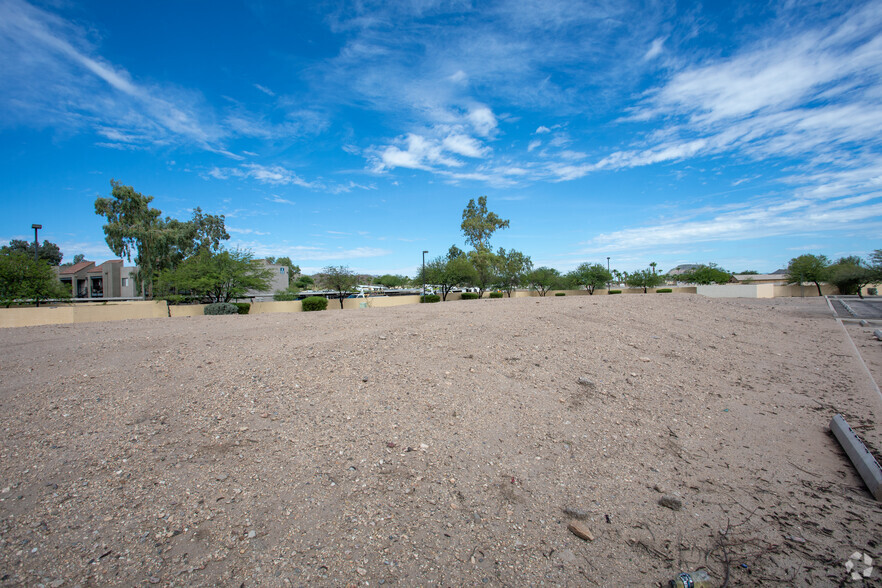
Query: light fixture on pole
[
  {"x": 36, "y": 241},
  {"x": 423, "y": 293}
]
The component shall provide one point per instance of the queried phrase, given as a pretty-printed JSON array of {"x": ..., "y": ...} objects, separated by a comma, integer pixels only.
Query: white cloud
[
  {"x": 265, "y": 90},
  {"x": 482, "y": 120},
  {"x": 655, "y": 49},
  {"x": 542, "y": 130},
  {"x": 533, "y": 144},
  {"x": 464, "y": 145}
]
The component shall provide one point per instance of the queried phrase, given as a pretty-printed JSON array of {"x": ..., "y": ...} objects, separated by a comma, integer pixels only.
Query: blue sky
[{"x": 354, "y": 133}]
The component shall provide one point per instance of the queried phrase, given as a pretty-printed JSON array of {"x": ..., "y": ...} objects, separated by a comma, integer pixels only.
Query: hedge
[
  {"x": 495, "y": 294},
  {"x": 615, "y": 291},
  {"x": 314, "y": 303},
  {"x": 560, "y": 293},
  {"x": 663, "y": 291},
  {"x": 221, "y": 308},
  {"x": 243, "y": 307},
  {"x": 469, "y": 295},
  {"x": 430, "y": 298}
]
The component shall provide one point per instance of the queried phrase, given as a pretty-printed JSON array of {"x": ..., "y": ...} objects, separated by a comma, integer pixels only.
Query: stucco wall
[
  {"x": 82, "y": 313},
  {"x": 737, "y": 291}
]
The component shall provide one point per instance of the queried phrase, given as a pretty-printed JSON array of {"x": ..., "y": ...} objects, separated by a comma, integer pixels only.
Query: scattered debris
[
  {"x": 580, "y": 530},
  {"x": 671, "y": 502}
]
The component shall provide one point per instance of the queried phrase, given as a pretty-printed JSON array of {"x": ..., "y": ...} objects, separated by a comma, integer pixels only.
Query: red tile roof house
[{"x": 108, "y": 280}]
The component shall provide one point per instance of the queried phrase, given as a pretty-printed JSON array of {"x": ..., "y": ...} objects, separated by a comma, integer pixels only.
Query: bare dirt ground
[{"x": 443, "y": 444}]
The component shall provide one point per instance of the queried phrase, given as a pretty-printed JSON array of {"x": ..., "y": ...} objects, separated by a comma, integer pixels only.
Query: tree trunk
[{"x": 818, "y": 284}]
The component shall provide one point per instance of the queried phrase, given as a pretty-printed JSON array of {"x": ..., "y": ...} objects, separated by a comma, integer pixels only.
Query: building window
[{"x": 125, "y": 282}]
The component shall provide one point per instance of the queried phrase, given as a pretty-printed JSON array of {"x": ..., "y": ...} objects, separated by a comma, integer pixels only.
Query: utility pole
[
  {"x": 423, "y": 292},
  {"x": 36, "y": 241}
]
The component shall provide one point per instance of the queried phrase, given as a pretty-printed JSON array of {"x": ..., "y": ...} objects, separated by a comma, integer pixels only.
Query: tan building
[{"x": 111, "y": 279}]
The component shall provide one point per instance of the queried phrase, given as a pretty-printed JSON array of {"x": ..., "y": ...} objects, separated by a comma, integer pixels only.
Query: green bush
[
  {"x": 285, "y": 295},
  {"x": 221, "y": 308},
  {"x": 495, "y": 294},
  {"x": 243, "y": 307},
  {"x": 560, "y": 293},
  {"x": 469, "y": 295},
  {"x": 663, "y": 291},
  {"x": 315, "y": 303},
  {"x": 430, "y": 298},
  {"x": 872, "y": 291},
  {"x": 615, "y": 291}
]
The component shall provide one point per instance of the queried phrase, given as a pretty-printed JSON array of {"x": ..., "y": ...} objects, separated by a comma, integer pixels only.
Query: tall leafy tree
[
  {"x": 484, "y": 262},
  {"x": 134, "y": 229},
  {"x": 851, "y": 274},
  {"x": 479, "y": 224},
  {"x": 339, "y": 279},
  {"x": 808, "y": 268},
  {"x": 24, "y": 279},
  {"x": 391, "y": 280},
  {"x": 643, "y": 279},
  {"x": 48, "y": 252},
  {"x": 706, "y": 274},
  {"x": 591, "y": 276},
  {"x": 447, "y": 272},
  {"x": 293, "y": 269},
  {"x": 543, "y": 279},
  {"x": 217, "y": 276},
  {"x": 511, "y": 269}
]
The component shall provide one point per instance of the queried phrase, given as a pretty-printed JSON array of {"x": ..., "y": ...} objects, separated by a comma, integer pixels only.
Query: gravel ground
[{"x": 441, "y": 444}]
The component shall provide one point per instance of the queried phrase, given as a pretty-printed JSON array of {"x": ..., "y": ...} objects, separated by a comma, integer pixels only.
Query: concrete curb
[{"x": 860, "y": 456}]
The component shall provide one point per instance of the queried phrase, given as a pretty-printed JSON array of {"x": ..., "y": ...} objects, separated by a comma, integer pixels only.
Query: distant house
[{"x": 111, "y": 279}]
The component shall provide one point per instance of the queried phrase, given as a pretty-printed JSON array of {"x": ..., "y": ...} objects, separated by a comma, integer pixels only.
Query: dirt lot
[{"x": 444, "y": 444}]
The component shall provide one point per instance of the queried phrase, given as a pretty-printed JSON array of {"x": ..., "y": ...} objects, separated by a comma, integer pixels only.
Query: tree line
[{"x": 186, "y": 261}]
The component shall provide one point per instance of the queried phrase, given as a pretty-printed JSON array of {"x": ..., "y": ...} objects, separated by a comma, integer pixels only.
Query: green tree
[
  {"x": 484, "y": 263},
  {"x": 542, "y": 279},
  {"x": 339, "y": 279},
  {"x": 133, "y": 228},
  {"x": 447, "y": 273},
  {"x": 22, "y": 278},
  {"x": 808, "y": 268},
  {"x": 511, "y": 269},
  {"x": 391, "y": 281},
  {"x": 304, "y": 282},
  {"x": 79, "y": 257},
  {"x": 851, "y": 274},
  {"x": 643, "y": 279},
  {"x": 591, "y": 276},
  {"x": 49, "y": 252},
  {"x": 216, "y": 276},
  {"x": 479, "y": 224},
  {"x": 706, "y": 274},
  {"x": 749, "y": 273}
]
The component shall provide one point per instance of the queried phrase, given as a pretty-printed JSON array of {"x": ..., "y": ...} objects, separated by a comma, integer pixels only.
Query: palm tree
[{"x": 652, "y": 265}]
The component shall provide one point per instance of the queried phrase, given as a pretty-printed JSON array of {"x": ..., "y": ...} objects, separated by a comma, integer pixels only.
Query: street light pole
[
  {"x": 36, "y": 241},
  {"x": 607, "y": 271},
  {"x": 36, "y": 228},
  {"x": 423, "y": 293}
]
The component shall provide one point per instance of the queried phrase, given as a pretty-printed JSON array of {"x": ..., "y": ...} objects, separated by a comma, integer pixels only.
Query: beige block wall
[
  {"x": 804, "y": 291},
  {"x": 82, "y": 313},
  {"x": 275, "y": 307},
  {"x": 177, "y": 310}
]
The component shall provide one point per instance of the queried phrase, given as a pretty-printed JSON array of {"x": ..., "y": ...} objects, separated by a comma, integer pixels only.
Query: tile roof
[{"x": 77, "y": 267}]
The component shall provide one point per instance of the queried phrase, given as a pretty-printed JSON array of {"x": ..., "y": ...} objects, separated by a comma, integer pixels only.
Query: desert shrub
[
  {"x": 221, "y": 308},
  {"x": 872, "y": 291},
  {"x": 430, "y": 298},
  {"x": 285, "y": 295},
  {"x": 615, "y": 291},
  {"x": 469, "y": 295},
  {"x": 243, "y": 307},
  {"x": 495, "y": 294},
  {"x": 663, "y": 291},
  {"x": 315, "y": 303},
  {"x": 560, "y": 293}
]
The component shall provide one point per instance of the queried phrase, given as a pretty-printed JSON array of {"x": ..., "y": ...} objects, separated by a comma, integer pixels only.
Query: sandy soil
[{"x": 445, "y": 444}]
